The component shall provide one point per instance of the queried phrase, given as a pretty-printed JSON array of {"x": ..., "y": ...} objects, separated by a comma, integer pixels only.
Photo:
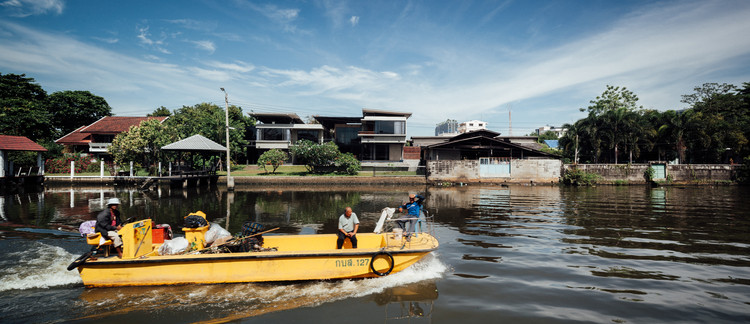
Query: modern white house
[
  {"x": 378, "y": 135},
  {"x": 279, "y": 131}
]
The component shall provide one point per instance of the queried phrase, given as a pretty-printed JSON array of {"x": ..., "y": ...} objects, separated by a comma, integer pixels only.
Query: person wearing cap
[
  {"x": 412, "y": 208},
  {"x": 348, "y": 226},
  {"x": 108, "y": 223}
]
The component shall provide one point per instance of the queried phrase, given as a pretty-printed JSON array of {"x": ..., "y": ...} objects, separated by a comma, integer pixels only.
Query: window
[
  {"x": 273, "y": 134},
  {"x": 471, "y": 124},
  {"x": 308, "y": 134},
  {"x": 390, "y": 127}
]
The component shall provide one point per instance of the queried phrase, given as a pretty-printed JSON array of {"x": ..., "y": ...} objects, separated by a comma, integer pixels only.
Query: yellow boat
[{"x": 296, "y": 257}]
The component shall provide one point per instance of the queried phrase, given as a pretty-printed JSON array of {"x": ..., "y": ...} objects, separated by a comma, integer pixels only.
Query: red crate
[{"x": 157, "y": 236}]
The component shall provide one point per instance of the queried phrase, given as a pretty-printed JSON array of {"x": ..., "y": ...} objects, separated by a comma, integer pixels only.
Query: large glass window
[
  {"x": 308, "y": 134},
  {"x": 273, "y": 134},
  {"x": 390, "y": 127}
]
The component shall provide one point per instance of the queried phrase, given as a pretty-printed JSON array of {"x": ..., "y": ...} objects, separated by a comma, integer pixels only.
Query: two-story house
[
  {"x": 378, "y": 135},
  {"x": 279, "y": 131},
  {"x": 97, "y": 137}
]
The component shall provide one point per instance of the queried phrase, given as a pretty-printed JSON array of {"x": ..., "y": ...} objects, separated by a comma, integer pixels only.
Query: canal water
[{"x": 517, "y": 254}]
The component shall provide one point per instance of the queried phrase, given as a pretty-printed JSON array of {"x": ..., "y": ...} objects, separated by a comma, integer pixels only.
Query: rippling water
[{"x": 508, "y": 254}]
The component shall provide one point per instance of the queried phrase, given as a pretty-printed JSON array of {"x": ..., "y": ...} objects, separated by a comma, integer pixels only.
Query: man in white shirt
[{"x": 348, "y": 226}]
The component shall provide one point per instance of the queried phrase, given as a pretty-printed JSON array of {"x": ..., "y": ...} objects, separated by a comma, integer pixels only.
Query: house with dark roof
[
  {"x": 97, "y": 137},
  {"x": 484, "y": 155},
  {"x": 280, "y": 131},
  {"x": 377, "y": 136}
]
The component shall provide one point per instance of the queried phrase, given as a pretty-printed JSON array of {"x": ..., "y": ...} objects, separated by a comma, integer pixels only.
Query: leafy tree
[
  {"x": 22, "y": 109},
  {"x": 314, "y": 155},
  {"x": 209, "y": 120},
  {"x": 348, "y": 163},
  {"x": 160, "y": 112},
  {"x": 274, "y": 158},
  {"x": 142, "y": 144},
  {"x": 613, "y": 98},
  {"x": 548, "y": 135},
  {"x": 72, "y": 109}
]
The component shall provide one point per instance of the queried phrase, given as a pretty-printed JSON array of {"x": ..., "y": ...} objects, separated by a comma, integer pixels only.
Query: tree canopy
[
  {"x": 72, "y": 109},
  {"x": 714, "y": 129}
]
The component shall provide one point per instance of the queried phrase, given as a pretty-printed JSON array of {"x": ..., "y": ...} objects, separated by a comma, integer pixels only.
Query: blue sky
[{"x": 436, "y": 59}]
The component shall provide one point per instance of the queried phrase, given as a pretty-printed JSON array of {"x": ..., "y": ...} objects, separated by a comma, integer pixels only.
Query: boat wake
[{"x": 37, "y": 266}]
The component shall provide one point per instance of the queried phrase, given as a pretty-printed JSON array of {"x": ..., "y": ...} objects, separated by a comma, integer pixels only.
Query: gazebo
[
  {"x": 200, "y": 144},
  {"x": 19, "y": 143},
  {"x": 24, "y": 176}
]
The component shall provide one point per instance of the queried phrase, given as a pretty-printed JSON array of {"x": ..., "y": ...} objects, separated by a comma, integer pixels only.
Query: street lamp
[{"x": 230, "y": 180}]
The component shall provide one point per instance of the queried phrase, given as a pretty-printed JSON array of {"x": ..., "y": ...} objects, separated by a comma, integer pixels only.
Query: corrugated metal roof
[
  {"x": 195, "y": 143},
  {"x": 19, "y": 143}
]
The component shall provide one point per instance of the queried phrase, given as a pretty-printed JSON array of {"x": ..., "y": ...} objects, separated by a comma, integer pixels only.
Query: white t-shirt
[{"x": 347, "y": 224}]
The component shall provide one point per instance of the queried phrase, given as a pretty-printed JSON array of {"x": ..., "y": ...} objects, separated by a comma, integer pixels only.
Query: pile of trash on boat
[{"x": 202, "y": 237}]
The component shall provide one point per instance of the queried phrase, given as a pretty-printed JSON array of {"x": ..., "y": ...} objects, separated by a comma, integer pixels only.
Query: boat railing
[{"x": 413, "y": 225}]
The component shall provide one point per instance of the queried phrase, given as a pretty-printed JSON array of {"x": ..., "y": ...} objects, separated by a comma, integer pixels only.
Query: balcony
[{"x": 98, "y": 147}]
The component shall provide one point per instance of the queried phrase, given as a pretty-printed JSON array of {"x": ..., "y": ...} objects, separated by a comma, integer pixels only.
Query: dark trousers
[{"x": 342, "y": 237}]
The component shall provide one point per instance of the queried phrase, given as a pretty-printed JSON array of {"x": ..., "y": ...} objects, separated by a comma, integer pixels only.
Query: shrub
[
  {"x": 649, "y": 174},
  {"x": 274, "y": 158},
  {"x": 62, "y": 164},
  {"x": 314, "y": 155},
  {"x": 347, "y": 163},
  {"x": 577, "y": 177}
]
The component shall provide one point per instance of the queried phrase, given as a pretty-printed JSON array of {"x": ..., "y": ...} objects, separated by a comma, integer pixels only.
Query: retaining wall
[
  {"x": 679, "y": 173},
  {"x": 468, "y": 171}
]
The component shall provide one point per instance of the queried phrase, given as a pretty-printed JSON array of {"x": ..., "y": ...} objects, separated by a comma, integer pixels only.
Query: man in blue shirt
[
  {"x": 412, "y": 208},
  {"x": 348, "y": 226}
]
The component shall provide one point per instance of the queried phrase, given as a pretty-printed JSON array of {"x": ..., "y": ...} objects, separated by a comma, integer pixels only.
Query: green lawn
[{"x": 254, "y": 171}]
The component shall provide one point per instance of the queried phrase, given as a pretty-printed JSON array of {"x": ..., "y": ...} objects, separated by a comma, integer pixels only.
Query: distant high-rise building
[{"x": 447, "y": 128}]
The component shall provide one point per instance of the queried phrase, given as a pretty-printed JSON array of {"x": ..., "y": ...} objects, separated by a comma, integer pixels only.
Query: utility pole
[{"x": 230, "y": 180}]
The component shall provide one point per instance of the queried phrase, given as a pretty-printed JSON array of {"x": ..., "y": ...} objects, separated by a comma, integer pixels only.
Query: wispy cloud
[
  {"x": 236, "y": 66},
  {"x": 110, "y": 40},
  {"x": 354, "y": 20},
  {"x": 205, "y": 45},
  {"x": 350, "y": 82},
  {"x": 25, "y": 8},
  {"x": 144, "y": 36},
  {"x": 193, "y": 24}
]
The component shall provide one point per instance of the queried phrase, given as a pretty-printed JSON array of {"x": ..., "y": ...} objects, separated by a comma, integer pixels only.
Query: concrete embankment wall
[
  {"x": 468, "y": 171},
  {"x": 678, "y": 173},
  {"x": 250, "y": 181}
]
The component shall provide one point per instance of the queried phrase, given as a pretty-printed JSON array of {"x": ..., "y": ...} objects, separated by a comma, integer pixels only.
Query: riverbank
[{"x": 255, "y": 180}]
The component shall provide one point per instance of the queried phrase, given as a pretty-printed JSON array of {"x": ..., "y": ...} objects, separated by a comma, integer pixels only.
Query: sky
[{"x": 517, "y": 65}]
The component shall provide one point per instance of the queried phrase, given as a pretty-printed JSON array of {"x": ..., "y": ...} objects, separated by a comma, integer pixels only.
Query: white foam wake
[{"x": 41, "y": 266}]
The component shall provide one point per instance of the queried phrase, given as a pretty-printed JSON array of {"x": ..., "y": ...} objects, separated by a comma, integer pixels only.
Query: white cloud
[
  {"x": 111, "y": 40},
  {"x": 237, "y": 66},
  {"x": 25, "y": 8},
  {"x": 354, "y": 20},
  {"x": 205, "y": 45},
  {"x": 145, "y": 37},
  {"x": 332, "y": 81}
]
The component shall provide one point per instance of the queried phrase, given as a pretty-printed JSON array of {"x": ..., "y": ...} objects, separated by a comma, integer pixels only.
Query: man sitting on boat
[
  {"x": 412, "y": 208},
  {"x": 108, "y": 223},
  {"x": 348, "y": 226}
]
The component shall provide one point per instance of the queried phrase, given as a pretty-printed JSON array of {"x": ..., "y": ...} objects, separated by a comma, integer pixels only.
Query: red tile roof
[
  {"x": 19, "y": 143},
  {"x": 75, "y": 138},
  {"x": 116, "y": 125}
]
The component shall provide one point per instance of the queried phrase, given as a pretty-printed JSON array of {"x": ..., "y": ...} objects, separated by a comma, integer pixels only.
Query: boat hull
[{"x": 293, "y": 261}]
